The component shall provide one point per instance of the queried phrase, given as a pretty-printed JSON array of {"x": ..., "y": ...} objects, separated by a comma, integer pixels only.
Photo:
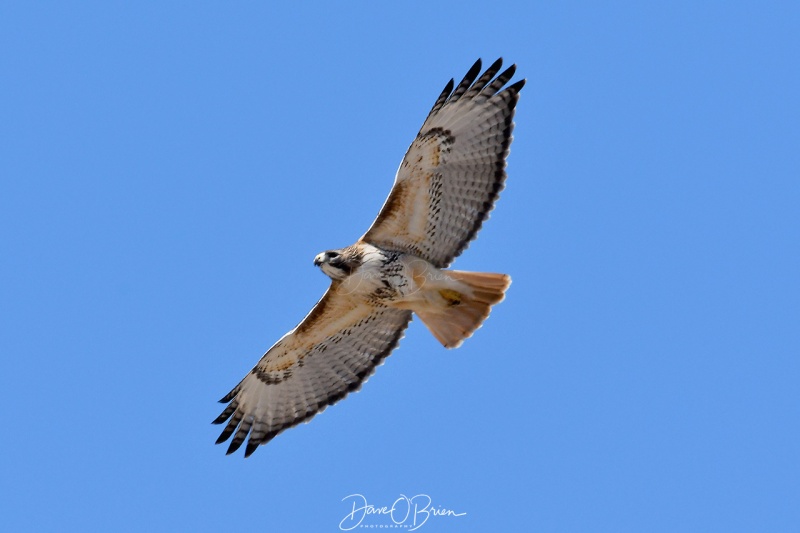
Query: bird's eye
[{"x": 332, "y": 254}]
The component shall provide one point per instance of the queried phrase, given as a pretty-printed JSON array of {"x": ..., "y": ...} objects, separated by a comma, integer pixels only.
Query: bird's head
[{"x": 338, "y": 264}]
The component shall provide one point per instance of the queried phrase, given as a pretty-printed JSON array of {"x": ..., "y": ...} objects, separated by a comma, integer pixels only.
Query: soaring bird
[{"x": 447, "y": 183}]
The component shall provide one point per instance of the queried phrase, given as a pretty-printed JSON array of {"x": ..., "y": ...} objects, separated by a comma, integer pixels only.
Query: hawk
[{"x": 445, "y": 187}]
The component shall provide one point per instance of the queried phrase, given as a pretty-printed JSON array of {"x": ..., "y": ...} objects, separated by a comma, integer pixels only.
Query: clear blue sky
[{"x": 169, "y": 171}]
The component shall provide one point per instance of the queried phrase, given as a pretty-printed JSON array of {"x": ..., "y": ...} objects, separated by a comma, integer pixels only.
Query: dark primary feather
[
  {"x": 486, "y": 78},
  {"x": 472, "y": 73},
  {"x": 442, "y": 97}
]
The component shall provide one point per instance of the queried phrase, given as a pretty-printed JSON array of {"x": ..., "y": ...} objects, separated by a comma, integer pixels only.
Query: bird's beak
[{"x": 318, "y": 260}]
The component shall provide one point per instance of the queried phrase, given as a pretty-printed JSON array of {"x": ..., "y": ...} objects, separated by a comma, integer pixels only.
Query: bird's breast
[{"x": 382, "y": 277}]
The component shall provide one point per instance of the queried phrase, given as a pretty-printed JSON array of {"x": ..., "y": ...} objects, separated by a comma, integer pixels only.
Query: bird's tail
[{"x": 459, "y": 307}]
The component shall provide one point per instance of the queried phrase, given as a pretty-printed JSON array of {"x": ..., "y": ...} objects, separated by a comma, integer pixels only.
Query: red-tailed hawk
[{"x": 445, "y": 187}]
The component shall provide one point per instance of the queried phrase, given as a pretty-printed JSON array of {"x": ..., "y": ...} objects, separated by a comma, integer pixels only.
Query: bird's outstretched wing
[
  {"x": 454, "y": 170},
  {"x": 331, "y": 353}
]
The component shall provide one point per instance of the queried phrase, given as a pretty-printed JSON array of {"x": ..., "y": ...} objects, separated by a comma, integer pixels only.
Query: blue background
[{"x": 169, "y": 171}]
